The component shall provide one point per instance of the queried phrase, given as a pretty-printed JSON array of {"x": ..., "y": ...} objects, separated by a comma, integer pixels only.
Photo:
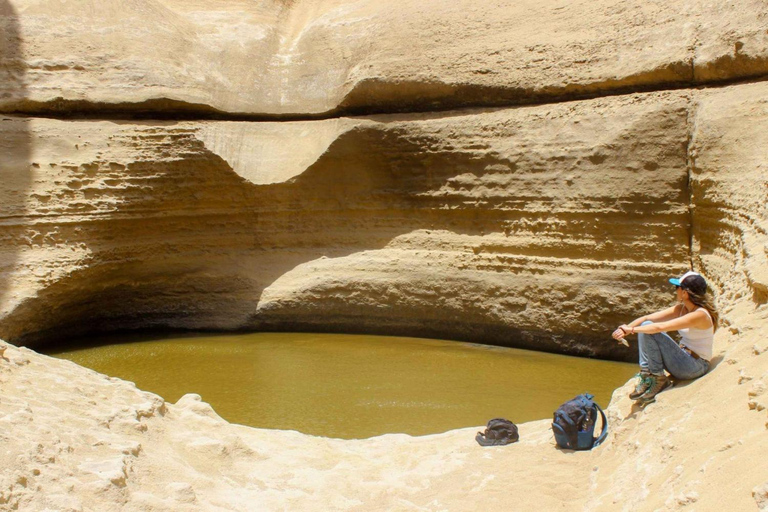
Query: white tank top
[{"x": 699, "y": 340}]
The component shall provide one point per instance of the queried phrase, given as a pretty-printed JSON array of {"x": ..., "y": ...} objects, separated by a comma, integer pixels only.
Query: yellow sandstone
[{"x": 519, "y": 173}]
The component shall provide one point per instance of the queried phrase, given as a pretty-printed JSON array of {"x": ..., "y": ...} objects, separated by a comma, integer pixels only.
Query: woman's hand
[{"x": 622, "y": 331}]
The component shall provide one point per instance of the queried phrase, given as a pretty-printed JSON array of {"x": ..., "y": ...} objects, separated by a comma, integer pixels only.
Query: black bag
[
  {"x": 498, "y": 432},
  {"x": 574, "y": 424}
]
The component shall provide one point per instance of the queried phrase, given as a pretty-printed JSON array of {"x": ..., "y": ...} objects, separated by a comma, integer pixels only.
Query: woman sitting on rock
[{"x": 695, "y": 318}]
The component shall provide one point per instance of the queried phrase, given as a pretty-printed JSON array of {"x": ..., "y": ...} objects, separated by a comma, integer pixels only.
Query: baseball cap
[{"x": 691, "y": 281}]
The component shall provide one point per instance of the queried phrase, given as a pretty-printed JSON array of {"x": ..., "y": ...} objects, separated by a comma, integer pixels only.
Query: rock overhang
[{"x": 436, "y": 225}]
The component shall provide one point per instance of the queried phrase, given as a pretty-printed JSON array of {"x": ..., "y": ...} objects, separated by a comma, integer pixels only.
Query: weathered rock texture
[
  {"x": 729, "y": 185},
  {"x": 304, "y": 57},
  {"x": 513, "y": 226},
  {"x": 540, "y": 226}
]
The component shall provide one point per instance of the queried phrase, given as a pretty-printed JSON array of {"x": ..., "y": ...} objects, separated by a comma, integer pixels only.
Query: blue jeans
[{"x": 659, "y": 352}]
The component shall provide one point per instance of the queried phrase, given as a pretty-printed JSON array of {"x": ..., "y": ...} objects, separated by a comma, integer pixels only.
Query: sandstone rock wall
[
  {"x": 512, "y": 226},
  {"x": 705, "y": 446},
  {"x": 310, "y": 57},
  {"x": 539, "y": 226},
  {"x": 730, "y": 191},
  {"x": 76, "y": 440}
]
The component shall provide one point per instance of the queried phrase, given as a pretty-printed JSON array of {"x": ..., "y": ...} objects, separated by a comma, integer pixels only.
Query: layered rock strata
[
  {"x": 729, "y": 190},
  {"x": 76, "y": 440},
  {"x": 539, "y": 226},
  {"x": 317, "y": 57},
  {"x": 514, "y": 226},
  {"x": 458, "y": 225}
]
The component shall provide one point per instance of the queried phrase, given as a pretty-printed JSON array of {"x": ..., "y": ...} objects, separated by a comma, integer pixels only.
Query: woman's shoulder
[{"x": 703, "y": 313}]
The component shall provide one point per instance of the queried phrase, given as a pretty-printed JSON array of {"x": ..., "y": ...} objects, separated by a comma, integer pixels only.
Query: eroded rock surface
[
  {"x": 511, "y": 226},
  {"x": 323, "y": 56},
  {"x": 729, "y": 187},
  {"x": 539, "y": 226}
]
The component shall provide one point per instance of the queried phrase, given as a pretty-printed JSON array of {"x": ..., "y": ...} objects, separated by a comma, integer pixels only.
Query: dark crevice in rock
[
  {"x": 400, "y": 98},
  {"x": 690, "y": 167}
]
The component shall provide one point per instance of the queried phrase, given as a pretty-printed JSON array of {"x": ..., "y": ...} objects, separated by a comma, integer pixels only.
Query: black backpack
[
  {"x": 574, "y": 424},
  {"x": 498, "y": 432}
]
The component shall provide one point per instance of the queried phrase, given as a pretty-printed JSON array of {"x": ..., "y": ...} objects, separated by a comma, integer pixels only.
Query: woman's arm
[
  {"x": 659, "y": 316},
  {"x": 697, "y": 319}
]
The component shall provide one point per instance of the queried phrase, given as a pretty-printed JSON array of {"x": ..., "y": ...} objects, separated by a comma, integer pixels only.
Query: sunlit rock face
[
  {"x": 174, "y": 203},
  {"x": 513, "y": 226},
  {"x": 305, "y": 57},
  {"x": 729, "y": 190},
  {"x": 516, "y": 226},
  {"x": 521, "y": 173}
]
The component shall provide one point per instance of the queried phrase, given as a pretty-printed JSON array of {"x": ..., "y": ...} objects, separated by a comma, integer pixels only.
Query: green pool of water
[{"x": 352, "y": 386}]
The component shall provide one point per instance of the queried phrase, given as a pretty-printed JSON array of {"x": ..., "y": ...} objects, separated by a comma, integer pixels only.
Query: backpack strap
[{"x": 604, "y": 433}]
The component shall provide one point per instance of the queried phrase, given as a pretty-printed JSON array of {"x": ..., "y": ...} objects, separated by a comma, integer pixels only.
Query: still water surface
[{"x": 352, "y": 386}]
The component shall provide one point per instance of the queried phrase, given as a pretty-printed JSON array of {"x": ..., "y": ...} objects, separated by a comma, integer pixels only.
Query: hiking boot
[
  {"x": 658, "y": 384},
  {"x": 642, "y": 385}
]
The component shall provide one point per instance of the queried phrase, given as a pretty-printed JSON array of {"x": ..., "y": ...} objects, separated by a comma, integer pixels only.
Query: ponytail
[{"x": 705, "y": 301}]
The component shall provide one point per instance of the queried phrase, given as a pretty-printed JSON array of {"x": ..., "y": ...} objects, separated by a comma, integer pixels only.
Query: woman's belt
[{"x": 692, "y": 353}]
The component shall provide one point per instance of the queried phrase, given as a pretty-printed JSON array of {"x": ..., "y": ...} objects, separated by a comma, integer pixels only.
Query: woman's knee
[{"x": 643, "y": 337}]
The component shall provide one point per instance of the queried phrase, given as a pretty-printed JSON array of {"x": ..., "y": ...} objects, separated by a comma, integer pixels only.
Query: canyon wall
[
  {"x": 539, "y": 226},
  {"x": 513, "y": 226},
  {"x": 520, "y": 173},
  {"x": 76, "y": 440},
  {"x": 322, "y": 57}
]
